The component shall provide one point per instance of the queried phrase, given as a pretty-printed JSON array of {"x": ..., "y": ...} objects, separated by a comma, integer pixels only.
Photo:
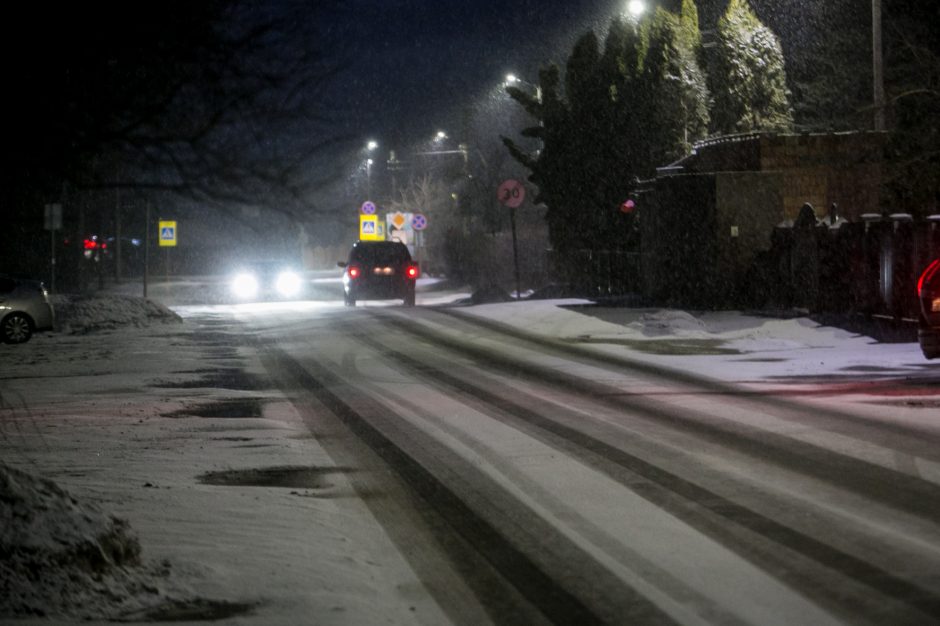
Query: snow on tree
[
  {"x": 747, "y": 75},
  {"x": 624, "y": 110}
]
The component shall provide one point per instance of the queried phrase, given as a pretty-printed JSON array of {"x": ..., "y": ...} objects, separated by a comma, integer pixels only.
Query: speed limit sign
[{"x": 511, "y": 193}]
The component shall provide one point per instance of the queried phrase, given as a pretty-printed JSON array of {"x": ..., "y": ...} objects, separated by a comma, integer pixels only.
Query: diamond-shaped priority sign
[
  {"x": 399, "y": 219},
  {"x": 419, "y": 221},
  {"x": 511, "y": 193}
]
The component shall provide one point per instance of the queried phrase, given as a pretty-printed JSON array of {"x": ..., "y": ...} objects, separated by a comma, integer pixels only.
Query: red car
[{"x": 928, "y": 291}]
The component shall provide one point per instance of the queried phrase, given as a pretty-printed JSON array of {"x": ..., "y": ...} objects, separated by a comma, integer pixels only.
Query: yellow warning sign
[
  {"x": 370, "y": 228},
  {"x": 167, "y": 233}
]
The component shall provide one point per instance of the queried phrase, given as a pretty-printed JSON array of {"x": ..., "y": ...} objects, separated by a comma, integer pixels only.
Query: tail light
[
  {"x": 928, "y": 290},
  {"x": 354, "y": 271},
  {"x": 412, "y": 272},
  {"x": 927, "y": 277}
]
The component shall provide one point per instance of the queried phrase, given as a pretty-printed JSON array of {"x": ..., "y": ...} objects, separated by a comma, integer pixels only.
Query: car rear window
[{"x": 380, "y": 254}]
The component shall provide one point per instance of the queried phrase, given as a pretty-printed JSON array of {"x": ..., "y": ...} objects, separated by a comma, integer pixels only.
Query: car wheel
[
  {"x": 16, "y": 328},
  {"x": 929, "y": 343},
  {"x": 349, "y": 299},
  {"x": 409, "y": 299}
]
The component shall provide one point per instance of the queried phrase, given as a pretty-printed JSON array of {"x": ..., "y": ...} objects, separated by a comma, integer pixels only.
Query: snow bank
[
  {"x": 79, "y": 314},
  {"x": 70, "y": 560},
  {"x": 59, "y": 556}
]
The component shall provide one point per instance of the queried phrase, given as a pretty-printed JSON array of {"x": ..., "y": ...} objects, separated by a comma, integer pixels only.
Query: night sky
[{"x": 414, "y": 64}]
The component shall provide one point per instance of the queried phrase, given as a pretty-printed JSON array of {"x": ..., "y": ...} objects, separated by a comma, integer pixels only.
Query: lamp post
[
  {"x": 877, "y": 66},
  {"x": 371, "y": 146}
]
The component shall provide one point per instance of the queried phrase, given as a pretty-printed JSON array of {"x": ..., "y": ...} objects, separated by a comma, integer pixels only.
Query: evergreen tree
[
  {"x": 747, "y": 76},
  {"x": 696, "y": 98},
  {"x": 677, "y": 98},
  {"x": 624, "y": 111}
]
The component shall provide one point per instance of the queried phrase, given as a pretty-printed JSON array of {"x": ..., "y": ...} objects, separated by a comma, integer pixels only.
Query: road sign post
[
  {"x": 168, "y": 232},
  {"x": 52, "y": 221},
  {"x": 511, "y": 193},
  {"x": 418, "y": 223},
  {"x": 146, "y": 248}
]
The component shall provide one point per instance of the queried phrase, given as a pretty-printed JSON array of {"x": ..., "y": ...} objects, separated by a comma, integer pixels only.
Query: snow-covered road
[
  {"x": 624, "y": 490},
  {"x": 305, "y": 463}
]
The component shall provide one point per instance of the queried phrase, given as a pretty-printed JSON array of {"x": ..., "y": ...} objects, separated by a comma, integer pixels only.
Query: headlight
[
  {"x": 288, "y": 284},
  {"x": 245, "y": 285}
]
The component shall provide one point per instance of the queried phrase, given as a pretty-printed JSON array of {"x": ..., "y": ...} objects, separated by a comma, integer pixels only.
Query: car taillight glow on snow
[
  {"x": 412, "y": 271},
  {"x": 354, "y": 271}
]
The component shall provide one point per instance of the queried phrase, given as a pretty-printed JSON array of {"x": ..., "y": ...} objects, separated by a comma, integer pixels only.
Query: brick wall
[{"x": 717, "y": 209}]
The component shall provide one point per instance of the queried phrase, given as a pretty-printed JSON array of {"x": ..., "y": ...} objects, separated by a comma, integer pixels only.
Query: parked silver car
[{"x": 24, "y": 309}]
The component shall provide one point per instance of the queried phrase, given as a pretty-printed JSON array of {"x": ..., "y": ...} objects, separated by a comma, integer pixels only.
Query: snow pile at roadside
[
  {"x": 69, "y": 560},
  {"x": 668, "y": 322},
  {"x": 83, "y": 314},
  {"x": 61, "y": 557},
  {"x": 727, "y": 345}
]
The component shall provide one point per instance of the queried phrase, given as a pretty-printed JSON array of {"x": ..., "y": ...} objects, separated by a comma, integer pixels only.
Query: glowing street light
[
  {"x": 440, "y": 136},
  {"x": 512, "y": 79},
  {"x": 636, "y": 8},
  {"x": 372, "y": 145}
]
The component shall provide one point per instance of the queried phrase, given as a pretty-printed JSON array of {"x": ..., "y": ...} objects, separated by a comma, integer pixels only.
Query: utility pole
[
  {"x": 117, "y": 236},
  {"x": 146, "y": 248},
  {"x": 877, "y": 65}
]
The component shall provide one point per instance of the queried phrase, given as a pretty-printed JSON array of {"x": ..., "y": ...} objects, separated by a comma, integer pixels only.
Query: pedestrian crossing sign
[
  {"x": 167, "y": 232},
  {"x": 370, "y": 228}
]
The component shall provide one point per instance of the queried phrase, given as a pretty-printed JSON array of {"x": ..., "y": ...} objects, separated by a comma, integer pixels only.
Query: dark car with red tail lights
[{"x": 379, "y": 270}]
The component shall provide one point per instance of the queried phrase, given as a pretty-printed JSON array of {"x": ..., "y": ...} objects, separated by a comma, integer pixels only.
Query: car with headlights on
[
  {"x": 928, "y": 293},
  {"x": 266, "y": 281},
  {"x": 379, "y": 270},
  {"x": 24, "y": 309}
]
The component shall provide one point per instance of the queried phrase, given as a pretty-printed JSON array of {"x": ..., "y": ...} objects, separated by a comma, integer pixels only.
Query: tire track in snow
[
  {"x": 507, "y": 544},
  {"x": 827, "y": 466},
  {"x": 824, "y": 418},
  {"x": 920, "y": 498}
]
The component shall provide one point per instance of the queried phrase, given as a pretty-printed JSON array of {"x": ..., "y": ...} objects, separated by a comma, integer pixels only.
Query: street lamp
[
  {"x": 371, "y": 146},
  {"x": 512, "y": 79},
  {"x": 636, "y": 8},
  {"x": 440, "y": 136}
]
